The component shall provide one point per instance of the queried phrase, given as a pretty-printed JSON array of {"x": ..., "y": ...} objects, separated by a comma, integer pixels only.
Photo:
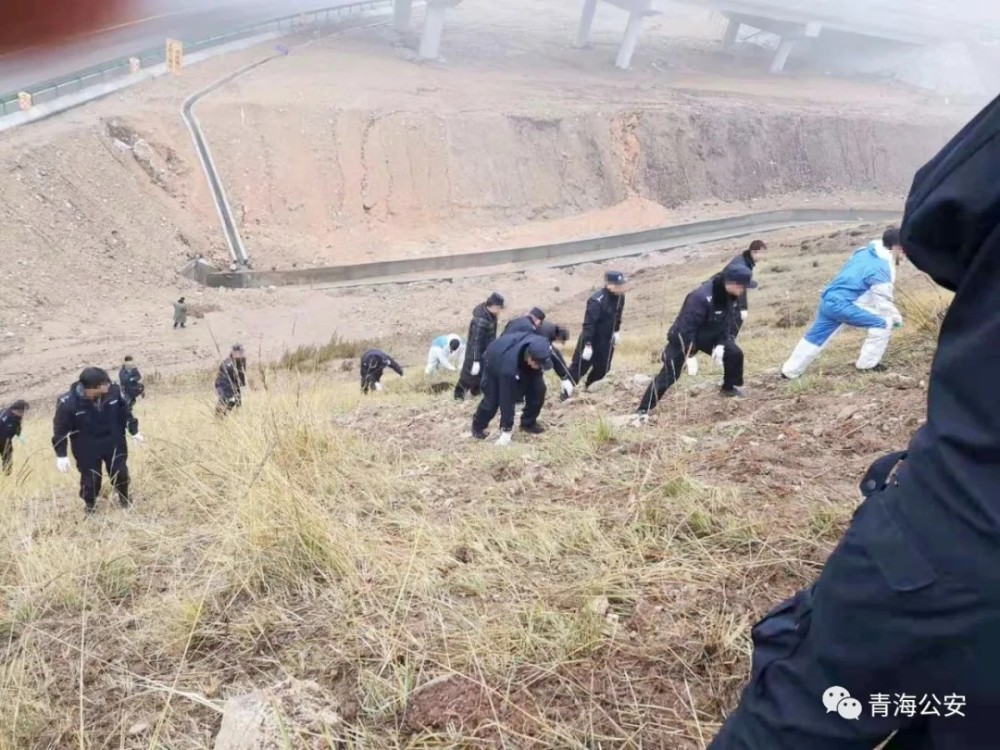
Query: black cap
[
  {"x": 238, "y": 348},
  {"x": 128, "y": 358},
  {"x": 614, "y": 277},
  {"x": 541, "y": 351},
  {"x": 890, "y": 238},
  {"x": 181, "y": 299},
  {"x": 495, "y": 300},
  {"x": 20, "y": 405},
  {"x": 739, "y": 274},
  {"x": 94, "y": 377},
  {"x": 537, "y": 313},
  {"x": 553, "y": 332}
]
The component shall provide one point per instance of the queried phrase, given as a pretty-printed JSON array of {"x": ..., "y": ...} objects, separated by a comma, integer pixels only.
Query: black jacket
[
  {"x": 232, "y": 377},
  {"x": 131, "y": 383},
  {"x": 482, "y": 333},
  {"x": 375, "y": 361},
  {"x": 92, "y": 429},
  {"x": 948, "y": 486},
  {"x": 707, "y": 317},
  {"x": 505, "y": 366},
  {"x": 602, "y": 320},
  {"x": 10, "y": 425},
  {"x": 524, "y": 324},
  {"x": 746, "y": 260}
]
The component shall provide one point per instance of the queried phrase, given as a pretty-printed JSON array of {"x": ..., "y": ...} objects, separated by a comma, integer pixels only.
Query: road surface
[{"x": 148, "y": 24}]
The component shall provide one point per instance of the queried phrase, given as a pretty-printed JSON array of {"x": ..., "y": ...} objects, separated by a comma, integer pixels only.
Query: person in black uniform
[
  {"x": 526, "y": 323},
  {"x": 10, "y": 430},
  {"x": 373, "y": 364},
  {"x": 601, "y": 324},
  {"x": 749, "y": 258},
  {"x": 130, "y": 381},
  {"x": 514, "y": 364},
  {"x": 909, "y": 601},
  {"x": 706, "y": 323},
  {"x": 482, "y": 333},
  {"x": 91, "y": 421},
  {"x": 231, "y": 380}
]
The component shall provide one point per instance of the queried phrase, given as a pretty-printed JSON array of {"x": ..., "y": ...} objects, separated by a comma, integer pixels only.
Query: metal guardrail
[{"x": 119, "y": 67}]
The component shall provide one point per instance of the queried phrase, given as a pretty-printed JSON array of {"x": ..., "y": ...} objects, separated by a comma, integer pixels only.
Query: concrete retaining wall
[{"x": 562, "y": 253}]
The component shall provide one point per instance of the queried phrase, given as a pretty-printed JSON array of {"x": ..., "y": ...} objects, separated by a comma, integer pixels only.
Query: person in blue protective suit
[
  {"x": 860, "y": 295},
  {"x": 514, "y": 365},
  {"x": 443, "y": 350},
  {"x": 908, "y": 604}
]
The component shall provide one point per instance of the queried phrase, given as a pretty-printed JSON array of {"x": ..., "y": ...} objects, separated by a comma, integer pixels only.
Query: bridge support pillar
[
  {"x": 586, "y": 21},
  {"x": 632, "y": 31},
  {"x": 430, "y": 39},
  {"x": 729, "y": 38},
  {"x": 402, "y": 10}
]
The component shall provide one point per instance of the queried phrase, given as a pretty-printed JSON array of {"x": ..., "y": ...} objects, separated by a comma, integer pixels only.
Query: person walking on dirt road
[
  {"x": 231, "y": 380},
  {"x": 180, "y": 313},
  {"x": 749, "y": 258},
  {"x": 482, "y": 333},
  {"x": 861, "y": 295},
  {"x": 906, "y": 608},
  {"x": 373, "y": 364},
  {"x": 602, "y": 322},
  {"x": 10, "y": 430},
  {"x": 91, "y": 421},
  {"x": 706, "y": 323},
  {"x": 513, "y": 365}
]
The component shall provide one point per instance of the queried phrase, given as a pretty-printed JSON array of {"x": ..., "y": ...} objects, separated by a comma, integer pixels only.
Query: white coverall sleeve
[
  {"x": 883, "y": 299},
  {"x": 442, "y": 359}
]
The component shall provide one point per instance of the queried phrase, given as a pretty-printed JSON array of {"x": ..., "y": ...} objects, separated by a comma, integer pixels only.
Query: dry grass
[
  {"x": 306, "y": 358},
  {"x": 591, "y": 588}
]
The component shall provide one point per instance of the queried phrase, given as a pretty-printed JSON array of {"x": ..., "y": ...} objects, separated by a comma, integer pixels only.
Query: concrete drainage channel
[
  {"x": 555, "y": 255},
  {"x": 234, "y": 241}
]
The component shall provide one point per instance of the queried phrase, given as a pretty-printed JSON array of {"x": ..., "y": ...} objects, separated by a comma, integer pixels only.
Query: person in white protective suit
[
  {"x": 861, "y": 295},
  {"x": 445, "y": 349}
]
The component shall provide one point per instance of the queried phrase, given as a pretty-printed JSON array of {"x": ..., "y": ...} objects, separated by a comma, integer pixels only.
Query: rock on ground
[{"x": 267, "y": 719}]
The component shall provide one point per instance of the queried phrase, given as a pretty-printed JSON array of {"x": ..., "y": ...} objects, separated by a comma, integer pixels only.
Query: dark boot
[
  {"x": 533, "y": 429},
  {"x": 732, "y": 392},
  {"x": 479, "y": 434}
]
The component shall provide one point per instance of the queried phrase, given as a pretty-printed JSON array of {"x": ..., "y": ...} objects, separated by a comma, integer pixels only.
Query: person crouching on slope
[
  {"x": 706, "y": 323},
  {"x": 373, "y": 364},
  {"x": 514, "y": 364},
  {"x": 860, "y": 295},
  {"x": 443, "y": 350}
]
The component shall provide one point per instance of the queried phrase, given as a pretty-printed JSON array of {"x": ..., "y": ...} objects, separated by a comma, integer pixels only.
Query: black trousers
[
  {"x": 531, "y": 387},
  {"x": 467, "y": 384},
  {"x": 884, "y": 621},
  {"x": 596, "y": 368},
  {"x": 7, "y": 455},
  {"x": 369, "y": 378},
  {"x": 673, "y": 363},
  {"x": 115, "y": 461},
  {"x": 227, "y": 401}
]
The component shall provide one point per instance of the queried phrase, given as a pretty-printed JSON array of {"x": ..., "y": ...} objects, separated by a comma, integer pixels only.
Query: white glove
[
  {"x": 743, "y": 314},
  {"x": 378, "y": 386},
  {"x": 138, "y": 438},
  {"x": 505, "y": 438},
  {"x": 63, "y": 465},
  {"x": 616, "y": 338},
  {"x": 567, "y": 388},
  {"x": 717, "y": 354},
  {"x": 588, "y": 352},
  {"x": 475, "y": 368},
  {"x": 692, "y": 366}
]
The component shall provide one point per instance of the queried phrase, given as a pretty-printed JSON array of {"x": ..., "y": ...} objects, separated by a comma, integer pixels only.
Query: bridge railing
[{"x": 107, "y": 71}]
